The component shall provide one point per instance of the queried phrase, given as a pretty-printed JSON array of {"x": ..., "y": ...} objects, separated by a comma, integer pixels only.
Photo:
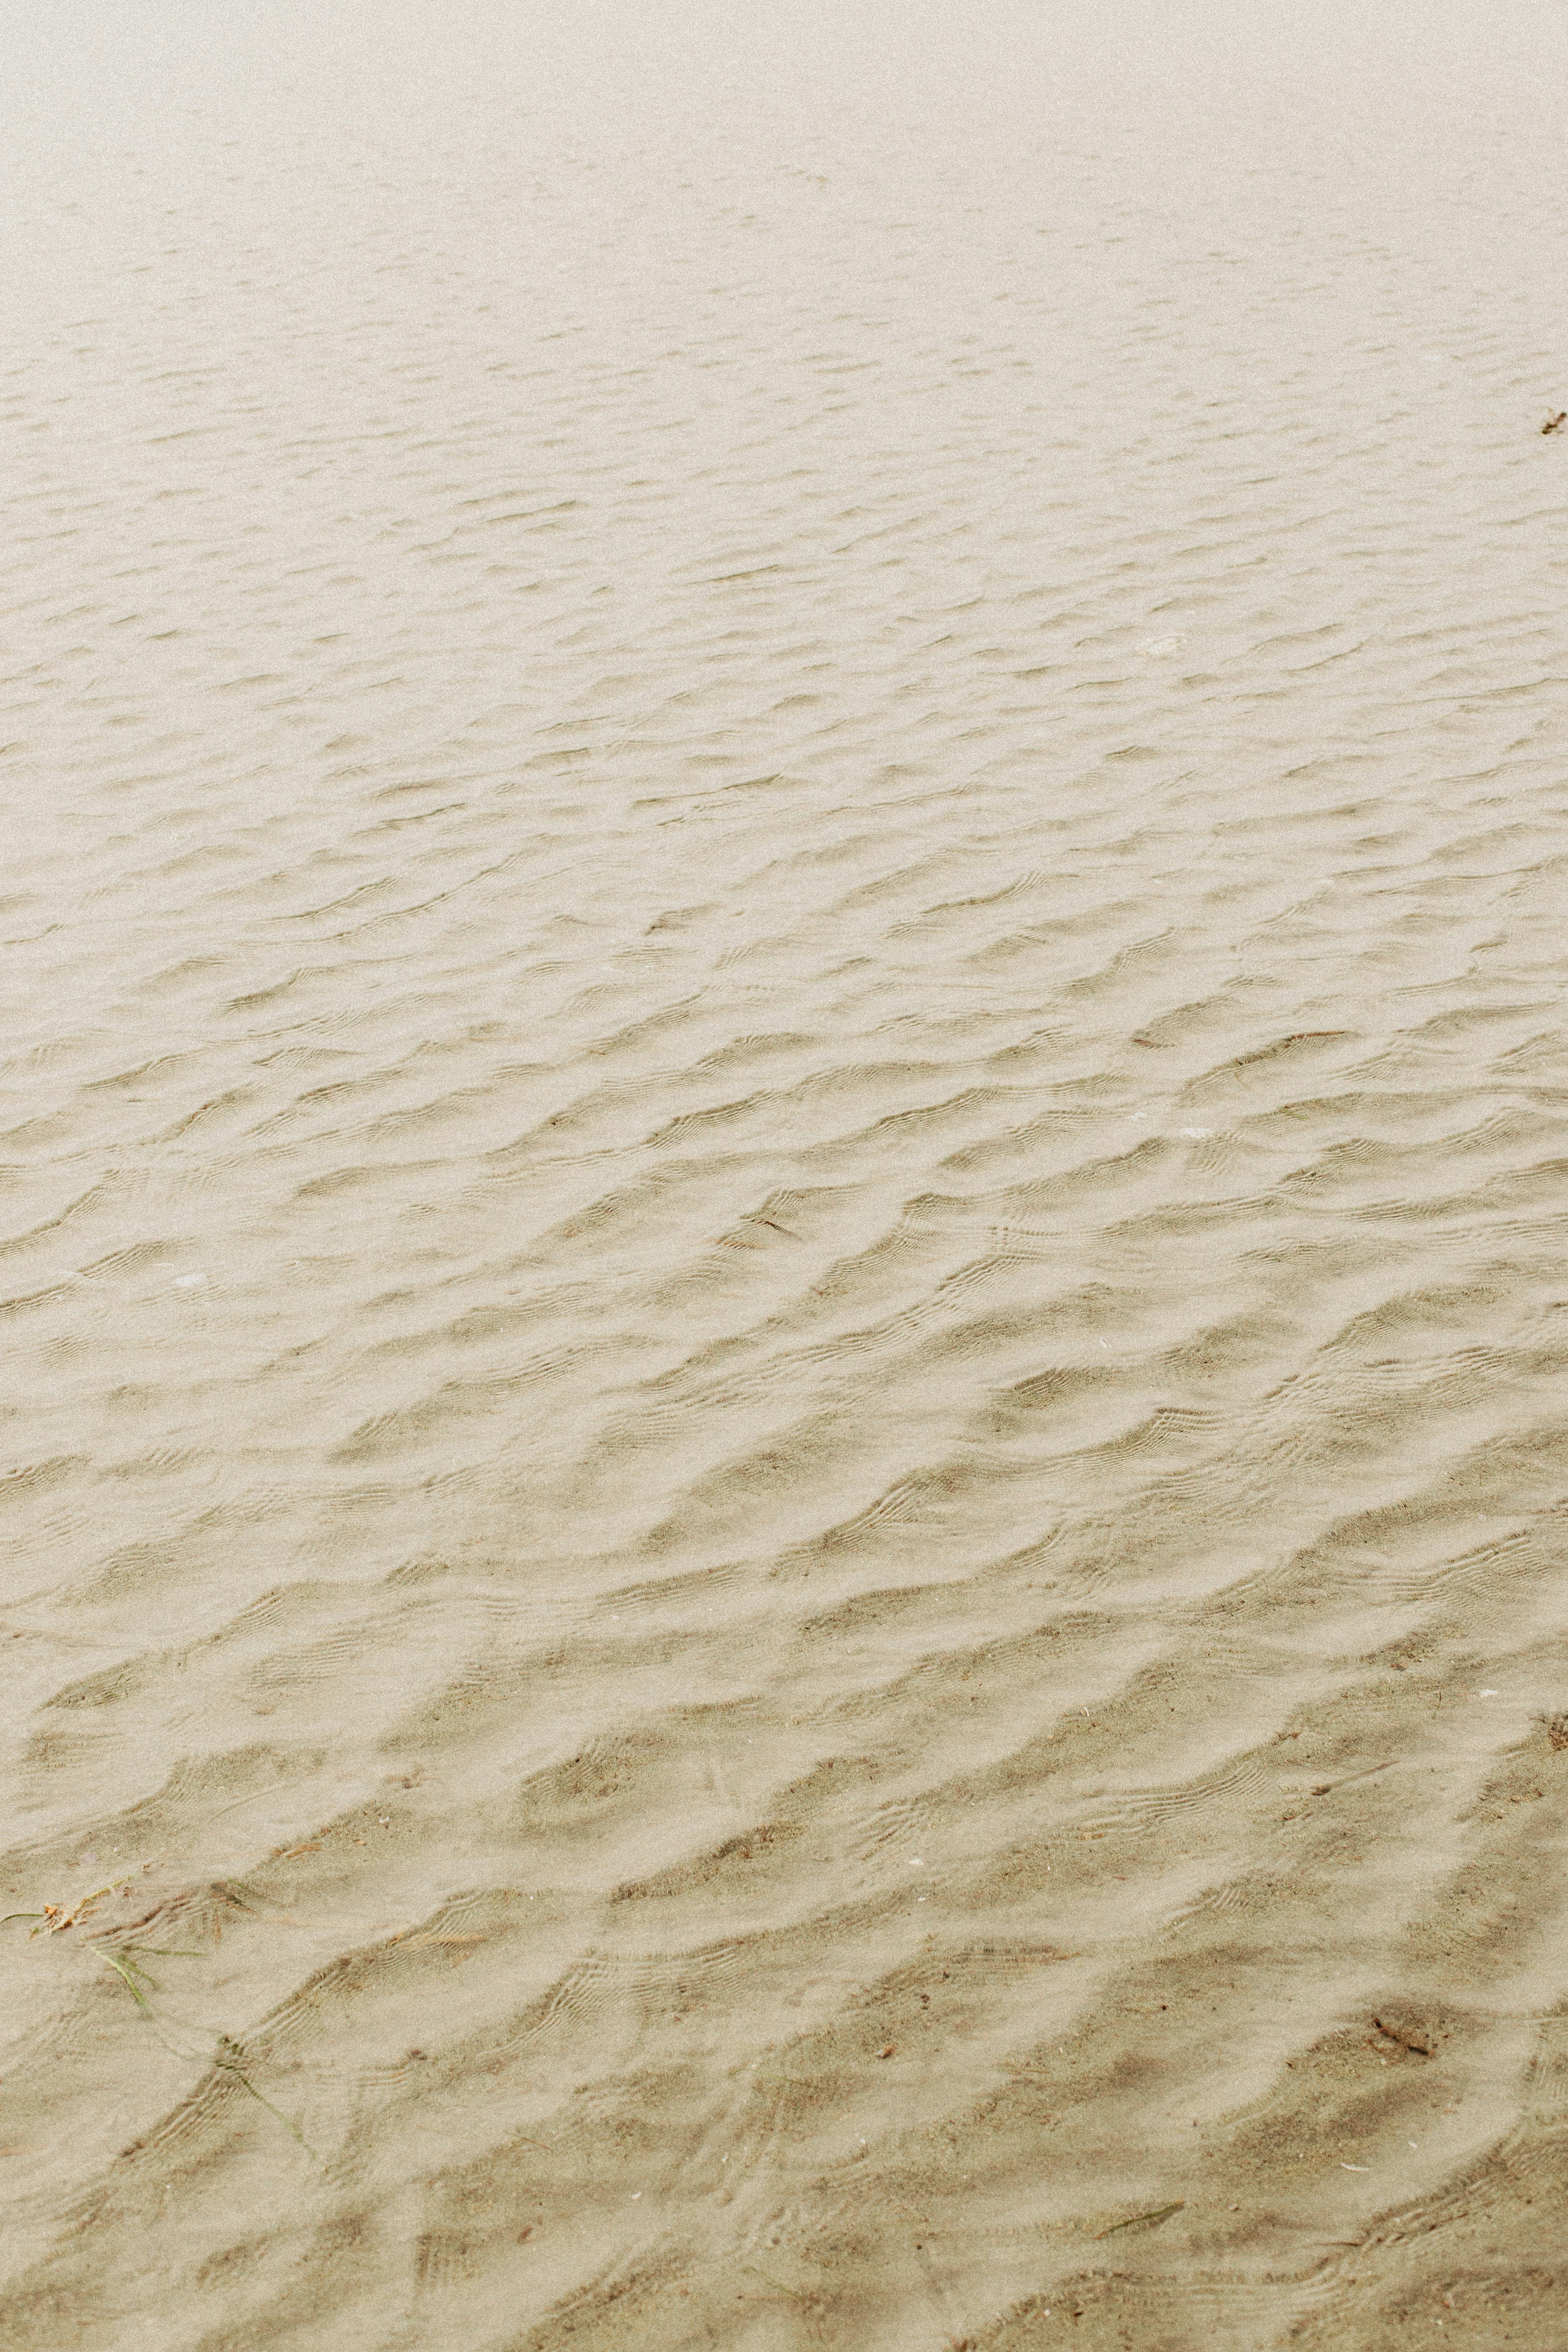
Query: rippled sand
[{"x": 785, "y": 1175}]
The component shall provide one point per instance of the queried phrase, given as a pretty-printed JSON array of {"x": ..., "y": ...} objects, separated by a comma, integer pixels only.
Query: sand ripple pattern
[{"x": 785, "y": 1179}]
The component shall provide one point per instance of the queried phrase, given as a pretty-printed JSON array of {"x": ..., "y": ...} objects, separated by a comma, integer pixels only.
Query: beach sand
[{"x": 785, "y": 1171}]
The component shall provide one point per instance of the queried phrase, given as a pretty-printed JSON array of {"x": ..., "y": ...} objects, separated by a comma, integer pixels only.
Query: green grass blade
[{"x": 128, "y": 1973}]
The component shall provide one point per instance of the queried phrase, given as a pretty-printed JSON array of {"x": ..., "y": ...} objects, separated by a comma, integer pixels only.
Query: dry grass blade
[
  {"x": 226, "y": 2053},
  {"x": 141, "y": 1984},
  {"x": 226, "y": 2058},
  {"x": 1158, "y": 2214}
]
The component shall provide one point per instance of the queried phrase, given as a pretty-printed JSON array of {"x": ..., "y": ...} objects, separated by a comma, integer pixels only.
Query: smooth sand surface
[{"x": 786, "y": 1178}]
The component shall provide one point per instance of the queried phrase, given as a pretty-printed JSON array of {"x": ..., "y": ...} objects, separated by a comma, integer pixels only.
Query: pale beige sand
[{"x": 786, "y": 1178}]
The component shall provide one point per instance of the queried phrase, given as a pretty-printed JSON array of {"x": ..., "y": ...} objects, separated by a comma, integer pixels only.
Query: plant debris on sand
[{"x": 119, "y": 1951}]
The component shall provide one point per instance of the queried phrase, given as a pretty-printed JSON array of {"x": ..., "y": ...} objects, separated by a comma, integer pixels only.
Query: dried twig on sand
[
  {"x": 1406, "y": 2037},
  {"x": 1135, "y": 2221}
]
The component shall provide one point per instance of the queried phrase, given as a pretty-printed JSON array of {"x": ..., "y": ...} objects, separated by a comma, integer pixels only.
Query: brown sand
[{"x": 786, "y": 1178}]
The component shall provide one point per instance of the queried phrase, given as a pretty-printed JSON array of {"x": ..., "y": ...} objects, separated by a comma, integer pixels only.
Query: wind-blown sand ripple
[{"x": 784, "y": 1127}]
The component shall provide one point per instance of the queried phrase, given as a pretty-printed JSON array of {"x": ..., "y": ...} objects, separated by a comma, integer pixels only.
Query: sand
[{"x": 785, "y": 1173}]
